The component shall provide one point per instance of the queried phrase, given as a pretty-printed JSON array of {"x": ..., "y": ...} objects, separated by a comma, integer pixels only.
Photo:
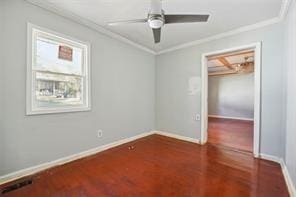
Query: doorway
[{"x": 231, "y": 98}]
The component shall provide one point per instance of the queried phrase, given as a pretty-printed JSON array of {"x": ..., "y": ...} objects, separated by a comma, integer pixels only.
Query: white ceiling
[{"x": 226, "y": 15}]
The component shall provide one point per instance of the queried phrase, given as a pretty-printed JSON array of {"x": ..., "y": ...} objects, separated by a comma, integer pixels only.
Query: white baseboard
[
  {"x": 270, "y": 158},
  {"x": 179, "y": 137},
  {"x": 288, "y": 179},
  {"x": 289, "y": 182},
  {"x": 229, "y": 117},
  {"x": 35, "y": 169},
  {"x": 44, "y": 166}
]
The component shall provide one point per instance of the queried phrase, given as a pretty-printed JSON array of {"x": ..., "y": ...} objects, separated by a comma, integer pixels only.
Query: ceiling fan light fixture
[{"x": 156, "y": 21}]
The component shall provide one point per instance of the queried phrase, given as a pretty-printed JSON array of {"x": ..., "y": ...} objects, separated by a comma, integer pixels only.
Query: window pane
[
  {"x": 53, "y": 90},
  {"x": 47, "y": 58}
]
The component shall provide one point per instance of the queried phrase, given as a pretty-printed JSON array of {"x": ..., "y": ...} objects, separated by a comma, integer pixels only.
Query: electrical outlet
[
  {"x": 99, "y": 133},
  {"x": 197, "y": 117}
]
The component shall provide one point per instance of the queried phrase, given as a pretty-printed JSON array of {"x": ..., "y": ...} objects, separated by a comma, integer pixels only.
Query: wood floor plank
[
  {"x": 236, "y": 134},
  {"x": 161, "y": 166}
]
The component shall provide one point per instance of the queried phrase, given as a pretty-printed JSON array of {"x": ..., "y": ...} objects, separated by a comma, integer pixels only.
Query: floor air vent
[{"x": 16, "y": 186}]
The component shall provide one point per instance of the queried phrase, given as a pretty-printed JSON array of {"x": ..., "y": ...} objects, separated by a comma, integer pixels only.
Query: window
[{"x": 58, "y": 73}]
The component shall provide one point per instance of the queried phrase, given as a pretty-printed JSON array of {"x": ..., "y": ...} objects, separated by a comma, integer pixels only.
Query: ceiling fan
[
  {"x": 246, "y": 67},
  {"x": 157, "y": 18}
]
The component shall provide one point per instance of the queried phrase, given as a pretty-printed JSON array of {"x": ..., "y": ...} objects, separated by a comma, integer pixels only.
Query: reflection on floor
[
  {"x": 236, "y": 134},
  {"x": 161, "y": 166}
]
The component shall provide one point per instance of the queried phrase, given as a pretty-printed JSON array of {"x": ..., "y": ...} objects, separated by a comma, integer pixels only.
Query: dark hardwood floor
[
  {"x": 161, "y": 166},
  {"x": 236, "y": 134}
]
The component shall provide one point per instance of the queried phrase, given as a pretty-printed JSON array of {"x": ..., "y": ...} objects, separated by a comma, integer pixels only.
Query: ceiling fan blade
[
  {"x": 156, "y": 35},
  {"x": 170, "y": 18},
  {"x": 127, "y": 22},
  {"x": 156, "y": 7}
]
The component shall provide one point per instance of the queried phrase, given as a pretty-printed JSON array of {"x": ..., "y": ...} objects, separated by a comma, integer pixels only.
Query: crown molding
[
  {"x": 282, "y": 14},
  {"x": 98, "y": 28},
  {"x": 85, "y": 22},
  {"x": 222, "y": 35}
]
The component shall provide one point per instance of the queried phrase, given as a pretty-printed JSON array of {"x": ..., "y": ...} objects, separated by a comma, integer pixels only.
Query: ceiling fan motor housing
[{"x": 156, "y": 21}]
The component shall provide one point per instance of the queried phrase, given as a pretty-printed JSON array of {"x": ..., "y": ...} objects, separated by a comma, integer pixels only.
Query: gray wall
[
  {"x": 175, "y": 109},
  {"x": 123, "y": 91},
  {"x": 231, "y": 95},
  {"x": 1, "y": 82},
  {"x": 290, "y": 61}
]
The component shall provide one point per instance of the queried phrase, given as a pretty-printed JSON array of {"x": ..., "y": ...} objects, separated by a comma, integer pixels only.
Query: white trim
[
  {"x": 32, "y": 31},
  {"x": 176, "y": 136},
  {"x": 288, "y": 179},
  {"x": 257, "y": 98},
  {"x": 269, "y": 157},
  {"x": 204, "y": 100},
  {"x": 82, "y": 21},
  {"x": 35, "y": 169},
  {"x": 229, "y": 117},
  {"x": 281, "y": 16},
  {"x": 222, "y": 35},
  {"x": 286, "y": 174},
  {"x": 69, "y": 15}
]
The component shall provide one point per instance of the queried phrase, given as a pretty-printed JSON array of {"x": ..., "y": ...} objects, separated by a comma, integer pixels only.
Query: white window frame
[{"x": 30, "y": 86}]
